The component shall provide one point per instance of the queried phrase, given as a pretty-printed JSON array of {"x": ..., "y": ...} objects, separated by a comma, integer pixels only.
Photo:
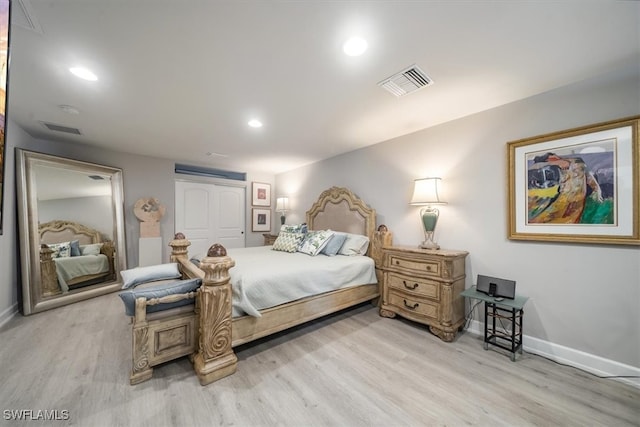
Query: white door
[{"x": 210, "y": 213}]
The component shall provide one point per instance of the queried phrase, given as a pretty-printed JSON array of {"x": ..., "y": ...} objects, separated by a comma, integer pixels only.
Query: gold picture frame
[{"x": 578, "y": 186}]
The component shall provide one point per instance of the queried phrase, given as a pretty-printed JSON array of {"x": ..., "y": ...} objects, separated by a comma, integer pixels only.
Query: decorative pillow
[
  {"x": 179, "y": 287},
  {"x": 334, "y": 244},
  {"x": 75, "y": 248},
  {"x": 315, "y": 241},
  {"x": 355, "y": 244},
  {"x": 297, "y": 228},
  {"x": 288, "y": 242},
  {"x": 92, "y": 249},
  {"x": 136, "y": 276},
  {"x": 60, "y": 250}
]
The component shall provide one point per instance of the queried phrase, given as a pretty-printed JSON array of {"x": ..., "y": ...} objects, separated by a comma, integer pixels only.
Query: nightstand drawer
[
  {"x": 413, "y": 306},
  {"x": 420, "y": 287},
  {"x": 415, "y": 265}
]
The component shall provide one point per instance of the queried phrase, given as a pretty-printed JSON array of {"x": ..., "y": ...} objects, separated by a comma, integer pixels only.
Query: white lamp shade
[
  {"x": 426, "y": 192},
  {"x": 282, "y": 204}
]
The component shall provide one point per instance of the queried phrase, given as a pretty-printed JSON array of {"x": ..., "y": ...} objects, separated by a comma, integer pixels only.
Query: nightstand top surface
[{"x": 418, "y": 250}]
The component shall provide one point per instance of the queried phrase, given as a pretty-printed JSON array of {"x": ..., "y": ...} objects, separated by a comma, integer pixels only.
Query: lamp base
[{"x": 429, "y": 244}]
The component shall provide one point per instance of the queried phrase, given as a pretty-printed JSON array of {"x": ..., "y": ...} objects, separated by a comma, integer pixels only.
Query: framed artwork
[
  {"x": 4, "y": 63},
  {"x": 578, "y": 186},
  {"x": 261, "y": 220},
  {"x": 261, "y": 194}
]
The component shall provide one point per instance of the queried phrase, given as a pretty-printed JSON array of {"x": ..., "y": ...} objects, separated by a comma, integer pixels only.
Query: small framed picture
[
  {"x": 261, "y": 194},
  {"x": 261, "y": 220}
]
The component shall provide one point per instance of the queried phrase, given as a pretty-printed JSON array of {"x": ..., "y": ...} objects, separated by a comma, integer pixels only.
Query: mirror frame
[{"x": 32, "y": 299}]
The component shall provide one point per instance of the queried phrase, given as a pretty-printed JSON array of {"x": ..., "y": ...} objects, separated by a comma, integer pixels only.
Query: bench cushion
[{"x": 158, "y": 291}]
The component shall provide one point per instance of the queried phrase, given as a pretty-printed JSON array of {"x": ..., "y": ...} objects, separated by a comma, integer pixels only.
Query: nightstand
[
  {"x": 269, "y": 239},
  {"x": 424, "y": 285}
]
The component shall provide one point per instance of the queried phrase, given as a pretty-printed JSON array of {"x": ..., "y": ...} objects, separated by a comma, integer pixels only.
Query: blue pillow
[
  {"x": 158, "y": 291},
  {"x": 75, "y": 248},
  {"x": 334, "y": 245},
  {"x": 136, "y": 276}
]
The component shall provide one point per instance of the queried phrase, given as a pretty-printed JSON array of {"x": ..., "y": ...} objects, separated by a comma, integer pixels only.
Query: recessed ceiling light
[
  {"x": 254, "y": 123},
  {"x": 69, "y": 109},
  {"x": 355, "y": 46},
  {"x": 83, "y": 73}
]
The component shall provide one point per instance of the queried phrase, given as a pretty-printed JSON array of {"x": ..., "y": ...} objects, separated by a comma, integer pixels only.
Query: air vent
[
  {"x": 210, "y": 172},
  {"x": 406, "y": 81},
  {"x": 60, "y": 128}
]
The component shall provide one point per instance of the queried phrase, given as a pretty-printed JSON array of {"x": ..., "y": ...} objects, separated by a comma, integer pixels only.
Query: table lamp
[
  {"x": 425, "y": 193},
  {"x": 282, "y": 205}
]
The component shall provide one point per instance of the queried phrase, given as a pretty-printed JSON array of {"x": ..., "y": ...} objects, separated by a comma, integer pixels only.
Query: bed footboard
[{"x": 158, "y": 341}]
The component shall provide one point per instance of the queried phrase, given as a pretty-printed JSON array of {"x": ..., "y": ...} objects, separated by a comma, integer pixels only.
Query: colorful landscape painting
[{"x": 572, "y": 185}]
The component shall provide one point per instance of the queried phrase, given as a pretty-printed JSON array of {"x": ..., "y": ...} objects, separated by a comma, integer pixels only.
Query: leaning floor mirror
[{"x": 71, "y": 220}]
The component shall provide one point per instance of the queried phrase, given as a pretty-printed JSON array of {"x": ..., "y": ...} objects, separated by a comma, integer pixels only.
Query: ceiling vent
[
  {"x": 60, "y": 128},
  {"x": 406, "y": 81}
]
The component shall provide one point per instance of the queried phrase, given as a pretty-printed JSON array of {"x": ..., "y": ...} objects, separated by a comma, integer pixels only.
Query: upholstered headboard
[
  {"x": 339, "y": 209},
  {"x": 58, "y": 231}
]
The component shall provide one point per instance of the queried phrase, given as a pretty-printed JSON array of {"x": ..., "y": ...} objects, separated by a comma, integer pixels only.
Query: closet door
[{"x": 210, "y": 213}]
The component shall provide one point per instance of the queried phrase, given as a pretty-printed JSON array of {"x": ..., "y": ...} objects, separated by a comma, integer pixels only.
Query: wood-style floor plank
[{"x": 350, "y": 369}]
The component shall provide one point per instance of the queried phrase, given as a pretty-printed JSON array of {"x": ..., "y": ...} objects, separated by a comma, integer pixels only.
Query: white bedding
[
  {"x": 264, "y": 278},
  {"x": 68, "y": 268}
]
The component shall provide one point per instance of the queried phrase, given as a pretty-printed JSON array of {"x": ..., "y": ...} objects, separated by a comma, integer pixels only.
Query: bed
[
  {"x": 72, "y": 256},
  {"x": 208, "y": 330}
]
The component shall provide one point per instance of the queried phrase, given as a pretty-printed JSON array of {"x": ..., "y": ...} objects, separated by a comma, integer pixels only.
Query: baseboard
[
  {"x": 593, "y": 364},
  {"x": 8, "y": 314}
]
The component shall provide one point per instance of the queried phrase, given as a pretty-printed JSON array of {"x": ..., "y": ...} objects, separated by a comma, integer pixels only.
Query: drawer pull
[
  {"x": 428, "y": 268},
  {"x": 397, "y": 262},
  {"x": 413, "y": 307},
  {"x": 415, "y": 285}
]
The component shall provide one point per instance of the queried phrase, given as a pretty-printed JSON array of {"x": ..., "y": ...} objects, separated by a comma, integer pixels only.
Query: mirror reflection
[{"x": 72, "y": 230}]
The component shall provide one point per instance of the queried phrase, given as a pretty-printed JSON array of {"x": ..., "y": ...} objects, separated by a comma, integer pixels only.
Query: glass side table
[{"x": 510, "y": 310}]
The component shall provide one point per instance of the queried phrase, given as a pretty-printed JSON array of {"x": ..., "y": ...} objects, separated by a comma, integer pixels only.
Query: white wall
[{"x": 585, "y": 297}]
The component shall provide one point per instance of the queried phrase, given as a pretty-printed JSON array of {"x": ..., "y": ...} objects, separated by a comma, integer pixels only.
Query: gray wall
[
  {"x": 143, "y": 177},
  {"x": 584, "y": 297},
  {"x": 94, "y": 212}
]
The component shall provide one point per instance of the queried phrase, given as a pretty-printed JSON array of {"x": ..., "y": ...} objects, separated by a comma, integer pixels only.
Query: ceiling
[{"x": 180, "y": 79}]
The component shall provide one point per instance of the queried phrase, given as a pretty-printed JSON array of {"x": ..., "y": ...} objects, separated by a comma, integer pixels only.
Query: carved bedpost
[
  {"x": 48, "y": 275},
  {"x": 179, "y": 247},
  {"x": 141, "y": 370},
  {"x": 109, "y": 250},
  {"x": 215, "y": 358},
  {"x": 381, "y": 238}
]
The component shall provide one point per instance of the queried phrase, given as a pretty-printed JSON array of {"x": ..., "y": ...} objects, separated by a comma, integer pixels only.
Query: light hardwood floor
[{"x": 350, "y": 369}]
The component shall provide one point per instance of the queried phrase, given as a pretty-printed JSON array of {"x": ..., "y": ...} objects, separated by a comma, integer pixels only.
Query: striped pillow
[{"x": 288, "y": 242}]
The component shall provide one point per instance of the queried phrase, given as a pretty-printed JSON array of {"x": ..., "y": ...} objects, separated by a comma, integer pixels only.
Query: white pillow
[
  {"x": 92, "y": 249},
  {"x": 356, "y": 244},
  {"x": 136, "y": 276},
  {"x": 315, "y": 241}
]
